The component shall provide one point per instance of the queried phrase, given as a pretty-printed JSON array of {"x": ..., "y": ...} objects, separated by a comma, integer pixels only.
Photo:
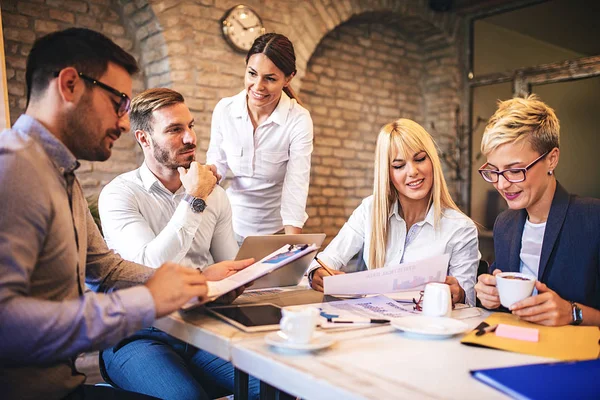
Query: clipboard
[
  {"x": 268, "y": 264},
  {"x": 559, "y": 342}
]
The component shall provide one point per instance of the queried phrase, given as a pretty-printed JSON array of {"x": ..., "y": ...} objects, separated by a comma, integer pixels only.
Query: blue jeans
[{"x": 154, "y": 363}]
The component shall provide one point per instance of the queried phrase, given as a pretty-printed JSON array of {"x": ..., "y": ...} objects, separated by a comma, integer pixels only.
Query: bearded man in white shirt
[{"x": 168, "y": 209}]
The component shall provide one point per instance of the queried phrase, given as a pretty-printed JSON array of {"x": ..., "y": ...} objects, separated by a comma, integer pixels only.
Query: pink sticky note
[{"x": 518, "y": 333}]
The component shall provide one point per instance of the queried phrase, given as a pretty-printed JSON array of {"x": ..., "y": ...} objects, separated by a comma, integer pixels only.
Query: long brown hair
[{"x": 280, "y": 51}]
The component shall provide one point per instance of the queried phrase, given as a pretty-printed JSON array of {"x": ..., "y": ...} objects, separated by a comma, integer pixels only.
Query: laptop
[{"x": 258, "y": 247}]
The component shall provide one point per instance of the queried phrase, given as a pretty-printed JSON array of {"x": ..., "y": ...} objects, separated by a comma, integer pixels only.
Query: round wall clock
[{"x": 241, "y": 25}]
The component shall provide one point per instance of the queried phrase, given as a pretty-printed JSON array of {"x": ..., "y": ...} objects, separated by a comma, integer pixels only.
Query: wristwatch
[
  {"x": 577, "y": 314},
  {"x": 196, "y": 204}
]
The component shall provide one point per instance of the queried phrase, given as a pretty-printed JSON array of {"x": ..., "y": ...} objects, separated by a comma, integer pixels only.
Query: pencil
[{"x": 325, "y": 267}]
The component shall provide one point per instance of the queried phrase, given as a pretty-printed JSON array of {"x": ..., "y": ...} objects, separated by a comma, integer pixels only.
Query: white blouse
[
  {"x": 270, "y": 166},
  {"x": 456, "y": 235}
]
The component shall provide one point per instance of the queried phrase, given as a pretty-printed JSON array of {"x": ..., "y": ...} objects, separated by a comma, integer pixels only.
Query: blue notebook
[{"x": 561, "y": 380}]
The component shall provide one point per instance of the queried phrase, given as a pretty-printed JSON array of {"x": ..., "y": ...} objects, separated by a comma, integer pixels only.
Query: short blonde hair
[
  {"x": 519, "y": 119},
  {"x": 405, "y": 137}
]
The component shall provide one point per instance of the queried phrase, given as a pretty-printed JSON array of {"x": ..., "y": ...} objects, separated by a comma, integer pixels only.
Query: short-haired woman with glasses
[
  {"x": 546, "y": 233},
  {"x": 409, "y": 217}
]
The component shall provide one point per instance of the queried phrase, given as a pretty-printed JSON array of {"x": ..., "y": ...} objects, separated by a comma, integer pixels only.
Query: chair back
[{"x": 482, "y": 268}]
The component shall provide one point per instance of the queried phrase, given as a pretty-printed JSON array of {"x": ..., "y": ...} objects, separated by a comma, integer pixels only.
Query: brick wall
[
  {"x": 360, "y": 64},
  {"x": 362, "y": 76},
  {"x": 26, "y": 20}
]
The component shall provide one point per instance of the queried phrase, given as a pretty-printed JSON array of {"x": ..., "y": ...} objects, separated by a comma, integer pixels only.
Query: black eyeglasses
[
  {"x": 121, "y": 107},
  {"x": 419, "y": 303},
  {"x": 513, "y": 175}
]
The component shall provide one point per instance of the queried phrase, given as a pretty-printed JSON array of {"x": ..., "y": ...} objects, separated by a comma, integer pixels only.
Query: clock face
[{"x": 241, "y": 25}]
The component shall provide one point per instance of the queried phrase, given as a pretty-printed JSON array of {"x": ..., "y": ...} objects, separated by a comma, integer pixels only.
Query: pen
[
  {"x": 366, "y": 321},
  {"x": 486, "y": 329},
  {"x": 325, "y": 267}
]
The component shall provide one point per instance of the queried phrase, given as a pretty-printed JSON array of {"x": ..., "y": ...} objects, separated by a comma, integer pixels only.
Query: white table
[
  {"x": 215, "y": 336},
  {"x": 378, "y": 363},
  {"x": 218, "y": 337},
  {"x": 372, "y": 363}
]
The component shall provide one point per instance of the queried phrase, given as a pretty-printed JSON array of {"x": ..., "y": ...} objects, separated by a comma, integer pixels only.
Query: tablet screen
[{"x": 252, "y": 315}]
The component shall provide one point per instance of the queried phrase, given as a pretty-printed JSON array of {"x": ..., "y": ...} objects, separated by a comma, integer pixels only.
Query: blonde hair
[
  {"x": 519, "y": 119},
  {"x": 405, "y": 137}
]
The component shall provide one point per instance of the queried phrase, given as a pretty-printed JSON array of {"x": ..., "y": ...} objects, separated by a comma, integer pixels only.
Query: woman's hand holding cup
[{"x": 486, "y": 290}]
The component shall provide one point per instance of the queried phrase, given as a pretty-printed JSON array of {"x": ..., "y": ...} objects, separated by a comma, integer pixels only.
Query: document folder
[
  {"x": 565, "y": 343},
  {"x": 563, "y": 380}
]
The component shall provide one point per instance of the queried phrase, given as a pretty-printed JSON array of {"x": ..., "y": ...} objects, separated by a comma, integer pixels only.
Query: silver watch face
[{"x": 198, "y": 205}]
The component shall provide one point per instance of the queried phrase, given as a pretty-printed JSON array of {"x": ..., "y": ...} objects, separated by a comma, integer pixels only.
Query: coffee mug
[
  {"x": 298, "y": 324},
  {"x": 437, "y": 300},
  {"x": 514, "y": 287}
]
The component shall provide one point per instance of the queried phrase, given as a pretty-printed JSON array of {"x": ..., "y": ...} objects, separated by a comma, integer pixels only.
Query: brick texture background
[{"x": 361, "y": 64}]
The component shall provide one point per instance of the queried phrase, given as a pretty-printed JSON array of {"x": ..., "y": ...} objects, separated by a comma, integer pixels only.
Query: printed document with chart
[
  {"x": 399, "y": 278},
  {"x": 268, "y": 264}
]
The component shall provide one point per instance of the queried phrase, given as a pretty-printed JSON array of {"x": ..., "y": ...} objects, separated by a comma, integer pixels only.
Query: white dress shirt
[
  {"x": 270, "y": 166},
  {"x": 456, "y": 235},
  {"x": 146, "y": 223}
]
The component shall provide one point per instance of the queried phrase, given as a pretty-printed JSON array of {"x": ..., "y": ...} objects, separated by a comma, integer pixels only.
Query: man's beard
[
  {"x": 163, "y": 156},
  {"x": 82, "y": 139}
]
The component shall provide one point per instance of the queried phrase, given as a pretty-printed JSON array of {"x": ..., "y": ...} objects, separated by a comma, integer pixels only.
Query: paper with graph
[{"x": 398, "y": 278}]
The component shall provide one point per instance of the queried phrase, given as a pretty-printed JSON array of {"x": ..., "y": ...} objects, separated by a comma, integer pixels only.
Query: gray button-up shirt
[{"x": 49, "y": 249}]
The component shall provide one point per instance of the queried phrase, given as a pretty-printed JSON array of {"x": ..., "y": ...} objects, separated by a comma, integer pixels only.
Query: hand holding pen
[{"x": 317, "y": 279}]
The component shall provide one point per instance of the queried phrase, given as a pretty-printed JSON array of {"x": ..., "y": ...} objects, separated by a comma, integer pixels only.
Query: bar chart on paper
[
  {"x": 417, "y": 282},
  {"x": 408, "y": 276}
]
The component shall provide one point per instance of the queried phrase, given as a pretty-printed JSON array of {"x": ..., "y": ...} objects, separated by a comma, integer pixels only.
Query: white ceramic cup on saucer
[
  {"x": 437, "y": 300},
  {"x": 298, "y": 324},
  {"x": 514, "y": 287}
]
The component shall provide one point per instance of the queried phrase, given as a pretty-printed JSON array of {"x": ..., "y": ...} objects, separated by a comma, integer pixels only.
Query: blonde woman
[
  {"x": 546, "y": 233},
  {"x": 409, "y": 217}
]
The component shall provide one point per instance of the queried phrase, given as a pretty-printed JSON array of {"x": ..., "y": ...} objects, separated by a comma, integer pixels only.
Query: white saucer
[
  {"x": 319, "y": 341},
  {"x": 434, "y": 327}
]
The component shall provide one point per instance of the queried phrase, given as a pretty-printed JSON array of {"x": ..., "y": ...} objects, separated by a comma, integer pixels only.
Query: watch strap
[
  {"x": 577, "y": 314},
  {"x": 197, "y": 205}
]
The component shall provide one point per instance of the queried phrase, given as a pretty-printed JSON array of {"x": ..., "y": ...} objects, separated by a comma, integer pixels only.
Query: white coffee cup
[
  {"x": 298, "y": 324},
  {"x": 513, "y": 290},
  {"x": 437, "y": 300}
]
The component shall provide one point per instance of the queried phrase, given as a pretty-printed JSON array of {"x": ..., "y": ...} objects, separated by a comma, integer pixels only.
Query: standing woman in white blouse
[
  {"x": 265, "y": 137},
  {"x": 409, "y": 217}
]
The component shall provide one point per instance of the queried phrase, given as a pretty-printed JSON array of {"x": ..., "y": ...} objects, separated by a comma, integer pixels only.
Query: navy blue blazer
[{"x": 570, "y": 259}]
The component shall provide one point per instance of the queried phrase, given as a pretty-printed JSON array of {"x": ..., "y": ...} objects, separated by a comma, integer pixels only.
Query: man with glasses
[
  {"x": 79, "y": 84},
  {"x": 547, "y": 234}
]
